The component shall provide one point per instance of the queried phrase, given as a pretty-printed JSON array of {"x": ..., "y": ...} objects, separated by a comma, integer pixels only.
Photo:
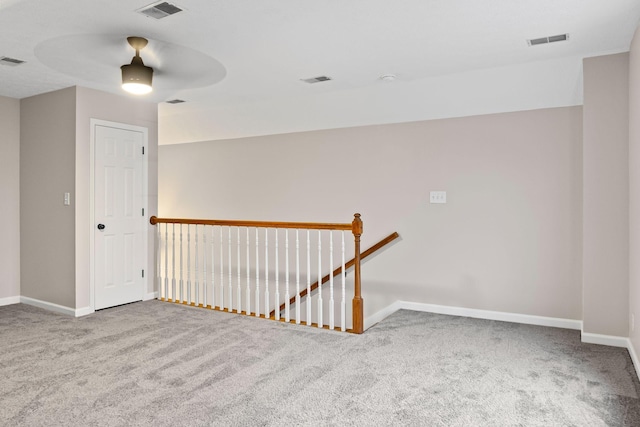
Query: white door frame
[{"x": 145, "y": 201}]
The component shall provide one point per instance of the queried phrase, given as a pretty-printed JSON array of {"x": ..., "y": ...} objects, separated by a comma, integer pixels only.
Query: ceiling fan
[
  {"x": 93, "y": 59},
  {"x": 137, "y": 77}
]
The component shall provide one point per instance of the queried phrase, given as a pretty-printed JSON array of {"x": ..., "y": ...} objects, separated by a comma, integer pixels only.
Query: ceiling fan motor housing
[{"x": 137, "y": 77}]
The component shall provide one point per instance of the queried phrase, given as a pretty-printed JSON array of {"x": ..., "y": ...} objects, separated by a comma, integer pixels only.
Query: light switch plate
[
  {"x": 438, "y": 197},
  {"x": 67, "y": 199}
]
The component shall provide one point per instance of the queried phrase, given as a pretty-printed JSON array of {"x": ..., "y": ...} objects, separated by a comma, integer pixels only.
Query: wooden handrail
[
  {"x": 259, "y": 224},
  {"x": 390, "y": 238}
]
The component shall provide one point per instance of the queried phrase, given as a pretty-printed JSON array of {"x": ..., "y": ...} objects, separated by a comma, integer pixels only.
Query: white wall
[
  {"x": 509, "y": 238},
  {"x": 10, "y": 196}
]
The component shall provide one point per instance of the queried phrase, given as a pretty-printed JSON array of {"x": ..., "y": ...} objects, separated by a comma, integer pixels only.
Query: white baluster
[
  {"x": 166, "y": 261},
  {"x": 239, "y": 297},
  {"x": 173, "y": 261},
  {"x": 257, "y": 311},
  {"x": 343, "y": 304},
  {"x": 331, "y": 312},
  {"x": 221, "y": 271},
  {"x": 195, "y": 275},
  {"x": 320, "y": 324},
  {"x": 298, "y": 308},
  {"x": 204, "y": 266},
  {"x": 188, "y": 264},
  {"x": 248, "y": 291},
  {"x": 277, "y": 304},
  {"x": 308, "y": 278},
  {"x": 287, "y": 312},
  {"x": 266, "y": 273},
  {"x": 213, "y": 269},
  {"x": 181, "y": 268},
  {"x": 230, "y": 272}
]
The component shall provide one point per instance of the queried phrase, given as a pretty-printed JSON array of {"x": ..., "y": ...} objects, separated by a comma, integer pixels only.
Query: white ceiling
[{"x": 238, "y": 63}]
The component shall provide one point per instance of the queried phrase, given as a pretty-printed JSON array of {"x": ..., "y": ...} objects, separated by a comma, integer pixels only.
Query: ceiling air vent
[
  {"x": 160, "y": 10},
  {"x": 316, "y": 79},
  {"x": 175, "y": 101},
  {"x": 12, "y": 62},
  {"x": 550, "y": 39}
]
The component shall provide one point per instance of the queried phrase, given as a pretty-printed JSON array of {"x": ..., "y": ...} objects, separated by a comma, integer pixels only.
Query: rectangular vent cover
[
  {"x": 316, "y": 79},
  {"x": 12, "y": 62},
  {"x": 160, "y": 10},
  {"x": 175, "y": 101},
  {"x": 550, "y": 39}
]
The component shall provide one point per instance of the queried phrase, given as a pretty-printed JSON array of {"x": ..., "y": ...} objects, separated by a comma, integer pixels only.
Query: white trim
[
  {"x": 145, "y": 201},
  {"x": 588, "y": 338},
  {"x": 48, "y": 306},
  {"x": 526, "y": 319},
  {"x": 9, "y": 301},
  {"x": 381, "y": 315},
  {"x": 150, "y": 296},
  {"x": 56, "y": 307},
  {"x": 85, "y": 311},
  {"x": 634, "y": 357},
  {"x": 609, "y": 340}
]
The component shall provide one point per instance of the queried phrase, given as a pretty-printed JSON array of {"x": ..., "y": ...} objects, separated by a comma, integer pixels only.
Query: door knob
[{"x": 101, "y": 227}]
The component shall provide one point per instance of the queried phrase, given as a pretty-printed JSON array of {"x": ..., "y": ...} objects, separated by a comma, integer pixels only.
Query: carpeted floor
[{"x": 162, "y": 364}]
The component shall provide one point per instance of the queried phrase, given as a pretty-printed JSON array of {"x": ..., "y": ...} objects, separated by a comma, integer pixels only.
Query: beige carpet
[{"x": 161, "y": 364}]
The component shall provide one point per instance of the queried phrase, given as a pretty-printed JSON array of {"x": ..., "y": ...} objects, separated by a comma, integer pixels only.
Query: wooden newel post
[{"x": 358, "y": 307}]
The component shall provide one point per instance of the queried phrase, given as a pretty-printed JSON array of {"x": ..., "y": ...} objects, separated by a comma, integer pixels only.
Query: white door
[{"x": 118, "y": 217}]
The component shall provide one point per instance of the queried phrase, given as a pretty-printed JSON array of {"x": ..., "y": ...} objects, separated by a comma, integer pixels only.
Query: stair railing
[
  {"x": 231, "y": 270},
  {"x": 338, "y": 271}
]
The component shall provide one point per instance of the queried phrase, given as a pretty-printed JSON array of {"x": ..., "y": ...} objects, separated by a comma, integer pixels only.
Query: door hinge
[
  {"x": 142, "y": 273},
  {"x": 142, "y": 150},
  {"x": 142, "y": 211}
]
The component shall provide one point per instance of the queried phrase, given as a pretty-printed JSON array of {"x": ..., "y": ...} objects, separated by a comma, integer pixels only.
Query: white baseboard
[
  {"x": 150, "y": 296},
  {"x": 381, "y": 315},
  {"x": 77, "y": 312},
  {"x": 85, "y": 311},
  {"x": 48, "y": 306},
  {"x": 586, "y": 337},
  {"x": 526, "y": 319},
  {"x": 610, "y": 340},
  {"x": 56, "y": 307},
  {"x": 9, "y": 301},
  {"x": 634, "y": 357}
]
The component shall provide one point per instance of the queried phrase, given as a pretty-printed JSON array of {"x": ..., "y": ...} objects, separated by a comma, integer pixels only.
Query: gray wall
[
  {"x": 55, "y": 158},
  {"x": 10, "y": 197},
  {"x": 606, "y": 195},
  {"x": 509, "y": 238},
  {"x": 47, "y": 171}
]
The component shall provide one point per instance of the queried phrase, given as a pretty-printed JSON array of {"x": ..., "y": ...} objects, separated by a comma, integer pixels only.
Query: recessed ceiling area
[
  {"x": 93, "y": 56},
  {"x": 240, "y": 63}
]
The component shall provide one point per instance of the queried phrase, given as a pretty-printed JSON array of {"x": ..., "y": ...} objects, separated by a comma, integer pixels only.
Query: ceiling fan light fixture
[{"x": 137, "y": 77}]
